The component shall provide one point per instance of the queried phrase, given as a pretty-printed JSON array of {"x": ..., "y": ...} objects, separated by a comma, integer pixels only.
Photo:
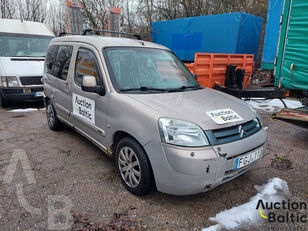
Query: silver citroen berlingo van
[{"x": 139, "y": 103}]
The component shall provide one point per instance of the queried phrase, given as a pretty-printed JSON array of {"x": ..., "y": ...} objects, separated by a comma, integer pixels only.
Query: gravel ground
[{"x": 66, "y": 164}]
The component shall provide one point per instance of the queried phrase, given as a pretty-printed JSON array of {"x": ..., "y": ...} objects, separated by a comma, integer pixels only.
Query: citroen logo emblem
[{"x": 241, "y": 131}]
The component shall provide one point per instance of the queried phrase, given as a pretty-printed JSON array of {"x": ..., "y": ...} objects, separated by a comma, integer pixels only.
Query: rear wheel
[
  {"x": 53, "y": 122},
  {"x": 134, "y": 167},
  {"x": 3, "y": 101}
]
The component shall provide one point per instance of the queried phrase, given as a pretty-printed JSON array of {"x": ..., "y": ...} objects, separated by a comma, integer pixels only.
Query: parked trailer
[
  {"x": 291, "y": 69},
  {"x": 291, "y": 65}
]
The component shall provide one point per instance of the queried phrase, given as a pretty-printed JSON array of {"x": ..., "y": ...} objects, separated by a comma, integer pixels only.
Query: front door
[{"x": 89, "y": 110}]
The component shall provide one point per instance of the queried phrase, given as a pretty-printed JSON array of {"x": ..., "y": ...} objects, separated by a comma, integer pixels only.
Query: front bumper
[
  {"x": 187, "y": 171},
  {"x": 21, "y": 93}
]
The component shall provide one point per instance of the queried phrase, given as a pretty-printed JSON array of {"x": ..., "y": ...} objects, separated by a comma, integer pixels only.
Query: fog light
[{"x": 27, "y": 90}]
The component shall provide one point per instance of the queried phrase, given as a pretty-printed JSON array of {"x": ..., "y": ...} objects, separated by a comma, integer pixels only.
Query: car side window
[
  {"x": 58, "y": 60},
  {"x": 63, "y": 62},
  {"x": 86, "y": 64},
  {"x": 51, "y": 59}
]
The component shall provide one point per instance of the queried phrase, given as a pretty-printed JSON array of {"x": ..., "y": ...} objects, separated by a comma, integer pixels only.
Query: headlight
[
  {"x": 260, "y": 122},
  {"x": 257, "y": 120},
  {"x": 12, "y": 81},
  {"x": 181, "y": 133}
]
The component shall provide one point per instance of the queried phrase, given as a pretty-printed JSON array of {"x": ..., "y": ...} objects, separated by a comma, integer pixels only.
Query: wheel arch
[
  {"x": 117, "y": 136},
  {"x": 46, "y": 99}
]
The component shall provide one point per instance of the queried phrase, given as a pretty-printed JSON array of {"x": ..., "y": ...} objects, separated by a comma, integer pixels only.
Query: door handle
[{"x": 291, "y": 69}]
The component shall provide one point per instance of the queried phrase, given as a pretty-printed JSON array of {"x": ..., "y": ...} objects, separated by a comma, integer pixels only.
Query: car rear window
[{"x": 58, "y": 60}]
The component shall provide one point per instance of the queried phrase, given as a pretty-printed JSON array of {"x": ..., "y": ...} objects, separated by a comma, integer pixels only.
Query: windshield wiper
[
  {"x": 184, "y": 88},
  {"x": 142, "y": 89}
]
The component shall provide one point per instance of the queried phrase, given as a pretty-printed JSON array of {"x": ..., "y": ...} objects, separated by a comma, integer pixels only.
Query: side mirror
[
  {"x": 89, "y": 84},
  {"x": 195, "y": 76}
]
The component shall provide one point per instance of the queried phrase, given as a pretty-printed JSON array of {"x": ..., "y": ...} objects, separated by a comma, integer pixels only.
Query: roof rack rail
[
  {"x": 67, "y": 33},
  {"x": 111, "y": 32}
]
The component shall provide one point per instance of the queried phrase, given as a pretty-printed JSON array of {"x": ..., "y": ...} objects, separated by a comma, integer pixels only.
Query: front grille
[
  {"x": 31, "y": 80},
  {"x": 234, "y": 133}
]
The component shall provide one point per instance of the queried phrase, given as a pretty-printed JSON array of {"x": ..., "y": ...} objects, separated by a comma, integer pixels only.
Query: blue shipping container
[
  {"x": 271, "y": 34},
  {"x": 233, "y": 33}
]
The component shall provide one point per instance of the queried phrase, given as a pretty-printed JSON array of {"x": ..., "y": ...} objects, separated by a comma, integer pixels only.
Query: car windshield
[
  {"x": 21, "y": 45},
  {"x": 147, "y": 69}
]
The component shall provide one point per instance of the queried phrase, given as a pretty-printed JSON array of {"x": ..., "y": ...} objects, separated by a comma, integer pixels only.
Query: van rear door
[{"x": 57, "y": 68}]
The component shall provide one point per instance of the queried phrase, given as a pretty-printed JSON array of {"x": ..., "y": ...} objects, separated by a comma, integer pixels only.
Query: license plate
[
  {"x": 39, "y": 93},
  {"x": 247, "y": 159}
]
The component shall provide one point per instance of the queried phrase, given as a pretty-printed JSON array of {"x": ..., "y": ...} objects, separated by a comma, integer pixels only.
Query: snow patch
[
  {"x": 24, "y": 110},
  {"x": 246, "y": 214},
  {"x": 274, "y": 105}
]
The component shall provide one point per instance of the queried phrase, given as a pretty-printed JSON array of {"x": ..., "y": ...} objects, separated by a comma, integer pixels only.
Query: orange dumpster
[
  {"x": 211, "y": 67},
  {"x": 191, "y": 67}
]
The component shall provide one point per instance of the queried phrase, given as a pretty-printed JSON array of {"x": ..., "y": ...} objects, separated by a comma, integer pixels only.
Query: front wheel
[
  {"x": 53, "y": 122},
  {"x": 134, "y": 167}
]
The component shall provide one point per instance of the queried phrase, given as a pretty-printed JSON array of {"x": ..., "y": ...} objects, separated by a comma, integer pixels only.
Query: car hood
[
  {"x": 193, "y": 105},
  {"x": 19, "y": 66}
]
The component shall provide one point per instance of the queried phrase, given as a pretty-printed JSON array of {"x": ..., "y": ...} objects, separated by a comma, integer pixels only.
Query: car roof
[
  {"x": 104, "y": 41},
  {"x": 24, "y": 27}
]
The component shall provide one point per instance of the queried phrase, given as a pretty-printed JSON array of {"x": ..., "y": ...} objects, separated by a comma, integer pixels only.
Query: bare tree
[
  {"x": 56, "y": 17},
  {"x": 96, "y": 11},
  {"x": 32, "y": 10},
  {"x": 7, "y": 9},
  {"x": 168, "y": 10},
  {"x": 146, "y": 11},
  {"x": 129, "y": 18}
]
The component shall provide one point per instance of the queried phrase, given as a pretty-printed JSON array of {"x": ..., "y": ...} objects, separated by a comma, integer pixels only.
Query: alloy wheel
[
  {"x": 50, "y": 115},
  {"x": 129, "y": 167}
]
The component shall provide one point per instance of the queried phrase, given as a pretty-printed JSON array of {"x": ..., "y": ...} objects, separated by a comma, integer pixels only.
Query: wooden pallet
[{"x": 299, "y": 114}]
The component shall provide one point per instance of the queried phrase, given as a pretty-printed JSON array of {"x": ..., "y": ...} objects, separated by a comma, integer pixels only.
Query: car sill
[{"x": 94, "y": 141}]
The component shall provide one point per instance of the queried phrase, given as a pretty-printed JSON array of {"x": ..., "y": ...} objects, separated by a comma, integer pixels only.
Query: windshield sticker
[
  {"x": 84, "y": 108},
  {"x": 223, "y": 116}
]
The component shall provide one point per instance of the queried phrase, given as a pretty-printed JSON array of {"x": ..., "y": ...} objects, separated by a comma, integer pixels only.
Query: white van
[{"x": 23, "y": 46}]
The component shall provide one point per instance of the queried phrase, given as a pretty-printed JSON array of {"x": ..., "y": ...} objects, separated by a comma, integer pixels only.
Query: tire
[
  {"x": 134, "y": 167},
  {"x": 53, "y": 122},
  {"x": 3, "y": 102}
]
